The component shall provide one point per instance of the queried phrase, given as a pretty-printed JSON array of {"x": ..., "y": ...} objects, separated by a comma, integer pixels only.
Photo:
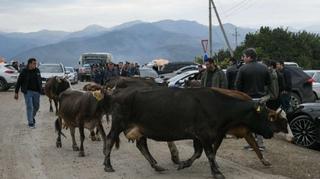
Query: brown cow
[
  {"x": 53, "y": 87},
  {"x": 83, "y": 110}
]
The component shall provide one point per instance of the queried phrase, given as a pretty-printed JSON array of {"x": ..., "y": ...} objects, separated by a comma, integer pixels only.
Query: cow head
[
  {"x": 278, "y": 120},
  {"x": 60, "y": 85},
  {"x": 260, "y": 123},
  {"x": 103, "y": 96}
]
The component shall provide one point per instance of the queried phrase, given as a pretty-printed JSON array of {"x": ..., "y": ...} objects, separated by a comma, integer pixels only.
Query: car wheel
[
  {"x": 305, "y": 131},
  {"x": 294, "y": 100},
  {"x": 3, "y": 85}
]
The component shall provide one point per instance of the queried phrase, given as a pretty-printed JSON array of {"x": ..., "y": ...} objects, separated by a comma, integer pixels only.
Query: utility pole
[
  {"x": 222, "y": 29},
  {"x": 210, "y": 30},
  {"x": 236, "y": 35}
]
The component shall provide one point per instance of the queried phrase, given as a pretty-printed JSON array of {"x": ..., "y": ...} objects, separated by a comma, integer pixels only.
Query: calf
[
  {"x": 53, "y": 87},
  {"x": 203, "y": 115},
  {"x": 83, "y": 110}
]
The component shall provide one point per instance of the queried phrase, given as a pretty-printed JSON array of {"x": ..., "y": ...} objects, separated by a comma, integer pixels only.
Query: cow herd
[{"x": 142, "y": 110}]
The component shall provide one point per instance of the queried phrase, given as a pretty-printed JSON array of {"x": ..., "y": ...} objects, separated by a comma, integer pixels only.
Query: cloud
[{"x": 31, "y": 15}]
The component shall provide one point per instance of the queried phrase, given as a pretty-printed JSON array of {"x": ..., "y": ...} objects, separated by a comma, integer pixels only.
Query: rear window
[
  {"x": 10, "y": 67},
  {"x": 50, "y": 69}
]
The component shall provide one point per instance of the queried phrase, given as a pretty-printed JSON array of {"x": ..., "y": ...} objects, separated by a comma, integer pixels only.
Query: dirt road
[{"x": 31, "y": 153}]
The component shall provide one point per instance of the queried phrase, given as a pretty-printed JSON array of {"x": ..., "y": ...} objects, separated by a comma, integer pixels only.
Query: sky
[{"x": 73, "y": 15}]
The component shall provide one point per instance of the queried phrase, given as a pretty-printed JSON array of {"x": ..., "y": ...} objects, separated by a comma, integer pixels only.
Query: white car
[
  {"x": 8, "y": 76},
  {"x": 167, "y": 76},
  {"x": 179, "y": 80},
  {"x": 51, "y": 70},
  {"x": 315, "y": 75},
  {"x": 72, "y": 75}
]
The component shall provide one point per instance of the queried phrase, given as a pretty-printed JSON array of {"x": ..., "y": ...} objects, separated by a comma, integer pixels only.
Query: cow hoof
[
  {"x": 93, "y": 138},
  {"x": 108, "y": 169},
  {"x": 265, "y": 163},
  {"x": 58, "y": 144},
  {"x": 75, "y": 148},
  {"x": 158, "y": 168},
  {"x": 218, "y": 176},
  {"x": 81, "y": 154},
  {"x": 183, "y": 165},
  {"x": 175, "y": 160}
]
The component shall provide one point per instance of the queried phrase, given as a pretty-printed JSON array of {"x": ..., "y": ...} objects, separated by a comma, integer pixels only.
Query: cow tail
[{"x": 58, "y": 127}]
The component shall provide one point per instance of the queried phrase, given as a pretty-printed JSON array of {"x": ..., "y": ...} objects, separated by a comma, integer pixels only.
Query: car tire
[
  {"x": 305, "y": 131},
  {"x": 294, "y": 100},
  {"x": 3, "y": 85}
]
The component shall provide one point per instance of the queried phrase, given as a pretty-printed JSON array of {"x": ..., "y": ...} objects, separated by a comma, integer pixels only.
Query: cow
[
  {"x": 83, "y": 110},
  {"x": 163, "y": 114},
  {"x": 92, "y": 87},
  {"x": 53, "y": 87}
]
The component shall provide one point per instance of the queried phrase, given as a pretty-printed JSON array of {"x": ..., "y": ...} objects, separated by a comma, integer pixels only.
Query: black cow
[
  {"x": 203, "y": 115},
  {"x": 83, "y": 110},
  {"x": 134, "y": 83},
  {"x": 53, "y": 87}
]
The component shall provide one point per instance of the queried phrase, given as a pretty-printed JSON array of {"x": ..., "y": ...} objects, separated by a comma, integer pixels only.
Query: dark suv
[{"x": 301, "y": 87}]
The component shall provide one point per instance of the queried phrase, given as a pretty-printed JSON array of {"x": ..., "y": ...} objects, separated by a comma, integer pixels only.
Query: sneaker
[{"x": 32, "y": 127}]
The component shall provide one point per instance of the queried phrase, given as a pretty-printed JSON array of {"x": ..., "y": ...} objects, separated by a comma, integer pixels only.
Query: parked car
[
  {"x": 72, "y": 75},
  {"x": 85, "y": 73},
  {"x": 148, "y": 72},
  {"x": 173, "y": 66},
  {"x": 301, "y": 87},
  {"x": 180, "y": 80},
  {"x": 305, "y": 125},
  {"x": 291, "y": 64},
  {"x": 51, "y": 70},
  {"x": 8, "y": 76},
  {"x": 167, "y": 76},
  {"x": 315, "y": 75}
]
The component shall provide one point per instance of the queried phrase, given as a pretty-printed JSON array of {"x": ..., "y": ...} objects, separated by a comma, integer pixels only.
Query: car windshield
[
  {"x": 92, "y": 61},
  {"x": 310, "y": 73},
  {"x": 50, "y": 69},
  {"x": 70, "y": 69}
]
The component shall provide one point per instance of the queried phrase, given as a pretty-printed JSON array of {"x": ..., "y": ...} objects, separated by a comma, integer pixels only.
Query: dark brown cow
[
  {"x": 83, "y": 110},
  {"x": 53, "y": 87}
]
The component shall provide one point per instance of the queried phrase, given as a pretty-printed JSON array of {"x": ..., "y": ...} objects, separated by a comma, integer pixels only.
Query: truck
[{"x": 86, "y": 61}]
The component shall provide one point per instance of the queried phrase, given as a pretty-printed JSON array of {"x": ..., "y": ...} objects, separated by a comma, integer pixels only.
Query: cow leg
[
  {"x": 56, "y": 105},
  {"x": 143, "y": 148},
  {"x": 252, "y": 142},
  {"x": 92, "y": 135},
  {"x": 81, "y": 131},
  {"x": 97, "y": 134},
  {"x": 104, "y": 137},
  {"x": 197, "y": 153},
  {"x": 174, "y": 152},
  {"x": 212, "y": 160},
  {"x": 74, "y": 143},
  {"x": 50, "y": 109},
  {"x": 112, "y": 138}
]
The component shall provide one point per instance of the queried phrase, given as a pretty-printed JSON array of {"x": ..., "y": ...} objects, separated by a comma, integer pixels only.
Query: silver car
[{"x": 72, "y": 75}]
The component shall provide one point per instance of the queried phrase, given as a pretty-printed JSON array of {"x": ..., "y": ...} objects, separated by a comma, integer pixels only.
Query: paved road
[{"x": 31, "y": 153}]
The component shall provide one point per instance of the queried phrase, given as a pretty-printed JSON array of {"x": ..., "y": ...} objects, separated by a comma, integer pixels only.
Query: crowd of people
[{"x": 102, "y": 74}]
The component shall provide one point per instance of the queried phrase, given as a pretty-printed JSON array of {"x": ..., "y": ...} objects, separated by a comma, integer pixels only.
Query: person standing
[
  {"x": 29, "y": 81},
  {"x": 213, "y": 76},
  {"x": 285, "y": 86},
  {"x": 231, "y": 73},
  {"x": 253, "y": 78}
]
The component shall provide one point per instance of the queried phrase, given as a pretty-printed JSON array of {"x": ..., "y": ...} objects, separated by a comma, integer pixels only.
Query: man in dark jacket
[
  {"x": 29, "y": 81},
  {"x": 285, "y": 85},
  {"x": 213, "y": 76},
  {"x": 232, "y": 73},
  {"x": 253, "y": 78},
  {"x": 110, "y": 72}
]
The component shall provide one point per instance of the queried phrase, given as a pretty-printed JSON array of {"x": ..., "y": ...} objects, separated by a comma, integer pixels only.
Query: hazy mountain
[
  {"x": 135, "y": 40},
  {"x": 141, "y": 43},
  {"x": 89, "y": 31}
]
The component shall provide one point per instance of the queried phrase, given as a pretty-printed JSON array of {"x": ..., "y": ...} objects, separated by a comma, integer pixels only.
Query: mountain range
[{"x": 132, "y": 41}]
